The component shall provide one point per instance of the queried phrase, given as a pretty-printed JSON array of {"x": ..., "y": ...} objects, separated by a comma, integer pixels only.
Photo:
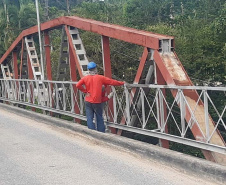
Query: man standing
[{"x": 92, "y": 86}]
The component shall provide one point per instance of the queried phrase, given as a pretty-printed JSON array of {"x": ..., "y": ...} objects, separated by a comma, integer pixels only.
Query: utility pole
[
  {"x": 47, "y": 9},
  {"x": 40, "y": 40},
  {"x": 68, "y": 7}
]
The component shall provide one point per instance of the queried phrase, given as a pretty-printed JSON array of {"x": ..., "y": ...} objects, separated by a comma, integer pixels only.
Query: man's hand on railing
[
  {"x": 125, "y": 83},
  {"x": 110, "y": 95}
]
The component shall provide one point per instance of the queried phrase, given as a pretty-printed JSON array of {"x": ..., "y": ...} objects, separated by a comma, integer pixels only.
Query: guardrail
[{"x": 145, "y": 109}]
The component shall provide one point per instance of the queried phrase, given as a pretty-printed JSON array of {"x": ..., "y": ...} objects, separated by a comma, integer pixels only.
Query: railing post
[
  {"x": 127, "y": 106},
  {"x": 64, "y": 97},
  {"x": 57, "y": 96},
  {"x": 30, "y": 98},
  {"x": 157, "y": 107},
  {"x": 49, "y": 95},
  {"x": 143, "y": 107},
  {"x": 114, "y": 107},
  {"x": 33, "y": 91},
  {"x": 182, "y": 112},
  {"x": 38, "y": 95},
  {"x": 25, "y": 92},
  {"x": 206, "y": 114},
  {"x": 72, "y": 99},
  {"x": 161, "y": 111},
  {"x": 81, "y": 102}
]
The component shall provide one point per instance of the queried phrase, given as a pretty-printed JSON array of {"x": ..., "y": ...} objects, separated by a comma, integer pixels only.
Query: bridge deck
[{"x": 35, "y": 153}]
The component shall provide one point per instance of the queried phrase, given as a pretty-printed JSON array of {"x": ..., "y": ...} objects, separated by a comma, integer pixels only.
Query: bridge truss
[{"x": 140, "y": 107}]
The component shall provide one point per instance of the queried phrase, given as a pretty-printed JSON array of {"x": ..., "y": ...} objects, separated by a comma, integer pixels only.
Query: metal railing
[{"x": 165, "y": 112}]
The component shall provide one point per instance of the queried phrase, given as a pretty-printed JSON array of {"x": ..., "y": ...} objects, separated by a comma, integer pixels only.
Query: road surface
[{"x": 35, "y": 153}]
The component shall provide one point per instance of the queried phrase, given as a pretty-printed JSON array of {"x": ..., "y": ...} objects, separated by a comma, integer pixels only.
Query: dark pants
[{"x": 97, "y": 109}]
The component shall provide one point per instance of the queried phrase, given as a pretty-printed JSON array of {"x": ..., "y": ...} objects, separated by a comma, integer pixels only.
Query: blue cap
[{"x": 91, "y": 65}]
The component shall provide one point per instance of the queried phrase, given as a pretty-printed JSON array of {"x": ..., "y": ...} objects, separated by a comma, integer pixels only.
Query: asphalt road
[{"x": 35, "y": 153}]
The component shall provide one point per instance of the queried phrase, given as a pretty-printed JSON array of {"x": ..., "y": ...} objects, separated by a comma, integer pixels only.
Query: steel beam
[
  {"x": 47, "y": 55},
  {"x": 15, "y": 66},
  {"x": 107, "y": 72},
  {"x": 48, "y": 64},
  {"x": 139, "y": 37},
  {"x": 73, "y": 75},
  {"x": 177, "y": 139},
  {"x": 21, "y": 57},
  {"x": 160, "y": 80}
]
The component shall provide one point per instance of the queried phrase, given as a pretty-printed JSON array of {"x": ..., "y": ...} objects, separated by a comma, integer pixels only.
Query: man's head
[{"x": 91, "y": 66}]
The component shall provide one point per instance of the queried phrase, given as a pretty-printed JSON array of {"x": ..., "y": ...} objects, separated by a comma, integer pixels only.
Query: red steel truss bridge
[{"x": 162, "y": 101}]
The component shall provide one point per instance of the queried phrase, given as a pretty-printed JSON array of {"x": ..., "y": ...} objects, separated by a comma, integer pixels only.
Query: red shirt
[{"x": 93, "y": 86}]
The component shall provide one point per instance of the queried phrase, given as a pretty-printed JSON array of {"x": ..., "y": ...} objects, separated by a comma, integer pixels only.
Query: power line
[{"x": 66, "y": 8}]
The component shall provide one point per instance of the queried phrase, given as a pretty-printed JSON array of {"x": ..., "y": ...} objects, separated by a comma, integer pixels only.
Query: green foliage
[
  {"x": 186, "y": 149},
  {"x": 139, "y": 14}
]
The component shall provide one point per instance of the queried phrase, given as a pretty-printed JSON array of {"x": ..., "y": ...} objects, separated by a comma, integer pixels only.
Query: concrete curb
[{"x": 188, "y": 164}]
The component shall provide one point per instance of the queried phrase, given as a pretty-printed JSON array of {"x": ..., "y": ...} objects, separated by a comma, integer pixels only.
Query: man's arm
[
  {"x": 80, "y": 84},
  {"x": 109, "y": 81}
]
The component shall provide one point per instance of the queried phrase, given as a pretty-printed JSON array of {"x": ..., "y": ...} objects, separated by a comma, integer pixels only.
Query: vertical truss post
[
  {"x": 73, "y": 74},
  {"x": 47, "y": 56},
  {"x": 163, "y": 113},
  {"x": 107, "y": 71}
]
